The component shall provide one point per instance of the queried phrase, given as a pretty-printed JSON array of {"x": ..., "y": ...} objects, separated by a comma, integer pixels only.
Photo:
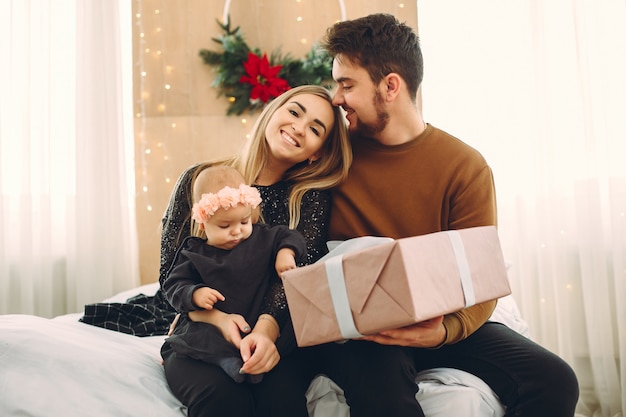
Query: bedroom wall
[{"x": 178, "y": 118}]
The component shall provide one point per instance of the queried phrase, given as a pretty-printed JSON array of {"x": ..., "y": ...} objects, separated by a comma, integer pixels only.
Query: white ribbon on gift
[
  {"x": 339, "y": 296},
  {"x": 337, "y": 283},
  {"x": 464, "y": 270}
]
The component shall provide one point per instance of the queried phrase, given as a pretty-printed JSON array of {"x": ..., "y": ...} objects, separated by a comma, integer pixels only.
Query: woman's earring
[{"x": 310, "y": 161}]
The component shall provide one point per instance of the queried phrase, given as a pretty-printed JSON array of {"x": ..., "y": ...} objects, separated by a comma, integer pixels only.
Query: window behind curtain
[{"x": 66, "y": 195}]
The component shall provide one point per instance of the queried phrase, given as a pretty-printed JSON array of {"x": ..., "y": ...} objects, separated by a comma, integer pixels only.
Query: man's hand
[{"x": 426, "y": 334}]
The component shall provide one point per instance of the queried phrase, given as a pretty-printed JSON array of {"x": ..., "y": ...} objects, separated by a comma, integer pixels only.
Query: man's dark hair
[{"x": 380, "y": 44}]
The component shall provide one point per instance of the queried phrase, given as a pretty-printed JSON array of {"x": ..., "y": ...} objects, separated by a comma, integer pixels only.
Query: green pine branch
[{"x": 314, "y": 68}]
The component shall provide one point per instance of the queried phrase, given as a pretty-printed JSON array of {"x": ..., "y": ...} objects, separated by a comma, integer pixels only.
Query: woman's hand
[
  {"x": 231, "y": 325},
  {"x": 259, "y": 353},
  {"x": 258, "y": 350}
]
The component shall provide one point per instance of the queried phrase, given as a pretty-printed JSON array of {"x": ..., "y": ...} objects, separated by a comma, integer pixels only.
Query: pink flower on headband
[{"x": 225, "y": 198}]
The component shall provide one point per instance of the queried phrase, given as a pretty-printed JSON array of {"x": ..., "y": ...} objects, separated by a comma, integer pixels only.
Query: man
[{"x": 409, "y": 178}]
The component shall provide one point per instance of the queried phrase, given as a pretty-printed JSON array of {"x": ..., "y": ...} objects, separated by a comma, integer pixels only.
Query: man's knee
[{"x": 561, "y": 384}]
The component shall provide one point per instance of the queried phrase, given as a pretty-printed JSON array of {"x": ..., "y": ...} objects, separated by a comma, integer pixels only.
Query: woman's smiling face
[{"x": 297, "y": 130}]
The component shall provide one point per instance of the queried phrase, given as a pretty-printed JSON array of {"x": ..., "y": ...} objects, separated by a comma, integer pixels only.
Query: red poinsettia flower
[{"x": 263, "y": 78}]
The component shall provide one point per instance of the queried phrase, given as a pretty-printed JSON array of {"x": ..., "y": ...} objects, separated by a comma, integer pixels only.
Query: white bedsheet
[{"x": 62, "y": 367}]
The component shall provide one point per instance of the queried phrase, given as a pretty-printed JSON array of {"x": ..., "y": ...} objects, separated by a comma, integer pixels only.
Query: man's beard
[{"x": 370, "y": 130}]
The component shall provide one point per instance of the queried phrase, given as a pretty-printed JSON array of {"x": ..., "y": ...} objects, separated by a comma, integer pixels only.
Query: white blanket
[{"x": 62, "y": 367}]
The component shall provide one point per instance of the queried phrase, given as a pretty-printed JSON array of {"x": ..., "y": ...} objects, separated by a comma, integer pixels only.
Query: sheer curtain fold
[
  {"x": 66, "y": 201},
  {"x": 539, "y": 88}
]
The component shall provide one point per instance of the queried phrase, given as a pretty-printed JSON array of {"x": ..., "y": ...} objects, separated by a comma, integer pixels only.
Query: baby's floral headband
[{"x": 225, "y": 198}]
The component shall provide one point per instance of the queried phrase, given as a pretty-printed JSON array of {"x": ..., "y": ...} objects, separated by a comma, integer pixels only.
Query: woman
[
  {"x": 297, "y": 150},
  {"x": 293, "y": 186}
]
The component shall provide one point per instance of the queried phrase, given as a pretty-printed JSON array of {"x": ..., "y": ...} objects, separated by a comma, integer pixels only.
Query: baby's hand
[
  {"x": 206, "y": 297},
  {"x": 285, "y": 260}
]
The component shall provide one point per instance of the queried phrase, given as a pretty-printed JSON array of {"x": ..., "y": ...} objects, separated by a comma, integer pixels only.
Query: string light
[{"x": 141, "y": 114}]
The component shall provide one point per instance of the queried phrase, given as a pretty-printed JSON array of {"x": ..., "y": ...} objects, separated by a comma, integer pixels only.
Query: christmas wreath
[{"x": 249, "y": 79}]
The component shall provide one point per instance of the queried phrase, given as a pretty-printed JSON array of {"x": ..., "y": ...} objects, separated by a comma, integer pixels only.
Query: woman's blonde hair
[{"x": 328, "y": 171}]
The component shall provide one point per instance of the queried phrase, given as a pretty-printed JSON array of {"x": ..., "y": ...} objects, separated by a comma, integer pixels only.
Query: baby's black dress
[{"x": 242, "y": 275}]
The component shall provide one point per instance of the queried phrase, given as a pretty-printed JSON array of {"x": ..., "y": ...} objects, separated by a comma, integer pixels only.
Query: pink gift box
[{"x": 370, "y": 284}]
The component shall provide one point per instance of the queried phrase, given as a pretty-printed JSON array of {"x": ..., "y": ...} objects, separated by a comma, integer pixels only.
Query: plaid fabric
[
  {"x": 141, "y": 315},
  {"x": 151, "y": 315}
]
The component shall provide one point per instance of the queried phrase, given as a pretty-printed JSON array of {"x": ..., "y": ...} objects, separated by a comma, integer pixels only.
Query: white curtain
[
  {"x": 68, "y": 234},
  {"x": 539, "y": 88}
]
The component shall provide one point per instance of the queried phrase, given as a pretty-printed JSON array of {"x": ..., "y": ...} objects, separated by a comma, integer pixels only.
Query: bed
[{"x": 62, "y": 367}]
